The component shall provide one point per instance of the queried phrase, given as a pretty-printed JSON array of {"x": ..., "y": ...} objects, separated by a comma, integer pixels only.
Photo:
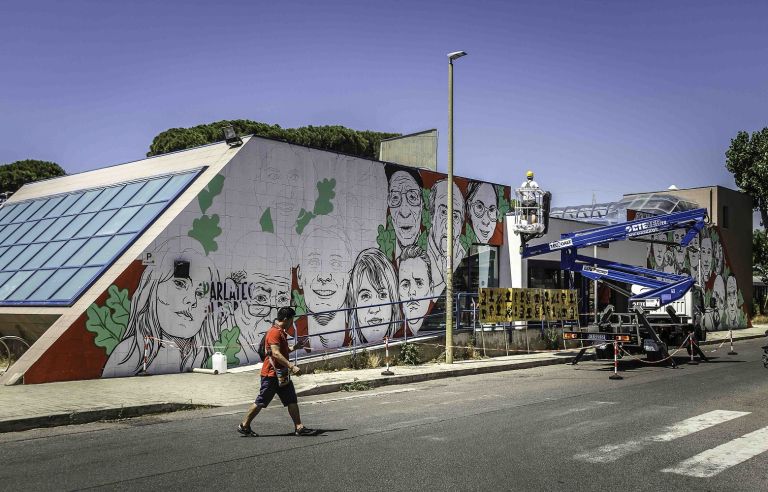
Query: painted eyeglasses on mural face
[
  {"x": 457, "y": 215},
  {"x": 479, "y": 210},
  {"x": 264, "y": 301},
  {"x": 395, "y": 198}
]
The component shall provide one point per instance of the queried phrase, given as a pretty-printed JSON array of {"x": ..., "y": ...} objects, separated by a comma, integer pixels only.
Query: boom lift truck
[{"x": 637, "y": 331}]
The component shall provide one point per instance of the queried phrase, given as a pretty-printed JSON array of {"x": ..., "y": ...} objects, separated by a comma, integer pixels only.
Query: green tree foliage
[
  {"x": 16, "y": 174},
  {"x": 760, "y": 254},
  {"x": 332, "y": 137},
  {"x": 747, "y": 159}
]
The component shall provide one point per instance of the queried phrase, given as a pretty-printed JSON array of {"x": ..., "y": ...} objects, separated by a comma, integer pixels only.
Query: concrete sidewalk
[{"x": 25, "y": 407}]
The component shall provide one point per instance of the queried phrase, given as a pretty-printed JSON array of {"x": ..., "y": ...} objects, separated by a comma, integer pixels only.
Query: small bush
[
  {"x": 360, "y": 359},
  {"x": 410, "y": 354},
  {"x": 374, "y": 361},
  {"x": 356, "y": 386}
]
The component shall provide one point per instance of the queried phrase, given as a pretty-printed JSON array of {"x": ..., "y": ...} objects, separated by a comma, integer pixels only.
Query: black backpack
[{"x": 262, "y": 350}]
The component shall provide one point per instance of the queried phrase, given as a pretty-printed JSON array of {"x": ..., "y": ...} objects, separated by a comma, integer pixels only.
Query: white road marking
[
  {"x": 713, "y": 461},
  {"x": 588, "y": 406},
  {"x": 361, "y": 395},
  {"x": 612, "y": 452}
]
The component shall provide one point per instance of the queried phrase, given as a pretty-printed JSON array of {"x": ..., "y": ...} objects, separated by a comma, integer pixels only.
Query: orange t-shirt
[{"x": 275, "y": 336}]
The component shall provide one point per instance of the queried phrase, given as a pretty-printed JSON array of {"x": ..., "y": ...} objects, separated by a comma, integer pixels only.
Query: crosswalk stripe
[
  {"x": 713, "y": 461},
  {"x": 612, "y": 452}
]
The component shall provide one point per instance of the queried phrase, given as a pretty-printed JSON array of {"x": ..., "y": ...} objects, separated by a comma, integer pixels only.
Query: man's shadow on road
[{"x": 315, "y": 433}]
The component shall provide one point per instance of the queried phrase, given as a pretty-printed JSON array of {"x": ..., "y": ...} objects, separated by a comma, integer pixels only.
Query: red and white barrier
[
  {"x": 615, "y": 374},
  {"x": 387, "y": 372}
]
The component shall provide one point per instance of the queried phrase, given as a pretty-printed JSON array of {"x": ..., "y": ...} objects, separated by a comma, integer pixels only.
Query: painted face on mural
[
  {"x": 439, "y": 231},
  {"x": 659, "y": 249},
  {"x": 414, "y": 284},
  {"x": 718, "y": 257},
  {"x": 693, "y": 256},
  {"x": 484, "y": 212},
  {"x": 706, "y": 257},
  {"x": 323, "y": 270},
  {"x": 732, "y": 295},
  {"x": 266, "y": 294},
  {"x": 679, "y": 251},
  {"x": 182, "y": 301},
  {"x": 405, "y": 205},
  {"x": 370, "y": 312},
  {"x": 718, "y": 293},
  {"x": 287, "y": 186}
]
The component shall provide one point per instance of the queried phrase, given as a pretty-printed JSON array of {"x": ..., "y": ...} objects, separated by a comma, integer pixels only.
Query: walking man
[{"x": 276, "y": 341}]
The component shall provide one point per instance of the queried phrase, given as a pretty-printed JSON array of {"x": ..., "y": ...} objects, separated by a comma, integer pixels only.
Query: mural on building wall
[
  {"x": 339, "y": 238},
  {"x": 706, "y": 260}
]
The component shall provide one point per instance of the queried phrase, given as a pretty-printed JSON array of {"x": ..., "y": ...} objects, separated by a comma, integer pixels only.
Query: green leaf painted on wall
[
  {"x": 325, "y": 195},
  {"x": 503, "y": 204},
  {"x": 303, "y": 220},
  {"x": 110, "y": 321},
  {"x": 422, "y": 240},
  {"x": 229, "y": 345},
  {"x": 386, "y": 239},
  {"x": 266, "y": 221},
  {"x": 206, "y": 196},
  {"x": 298, "y": 303},
  {"x": 468, "y": 238},
  {"x": 206, "y": 230}
]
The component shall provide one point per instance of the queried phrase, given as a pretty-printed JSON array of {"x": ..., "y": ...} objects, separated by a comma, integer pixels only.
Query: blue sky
[{"x": 597, "y": 97}]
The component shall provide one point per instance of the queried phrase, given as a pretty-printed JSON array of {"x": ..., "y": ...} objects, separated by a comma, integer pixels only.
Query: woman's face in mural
[
  {"x": 706, "y": 256},
  {"x": 181, "y": 302},
  {"x": 483, "y": 212},
  {"x": 369, "y": 312},
  {"x": 693, "y": 256},
  {"x": 439, "y": 231},
  {"x": 414, "y": 284},
  {"x": 323, "y": 271},
  {"x": 405, "y": 206},
  {"x": 733, "y": 294}
]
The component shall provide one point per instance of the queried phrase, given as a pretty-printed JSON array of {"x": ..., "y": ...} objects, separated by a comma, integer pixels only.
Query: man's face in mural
[
  {"x": 266, "y": 294},
  {"x": 483, "y": 212},
  {"x": 405, "y": 206},
  {"x": 286, "y": 183},
  {"x": 659, "y": 249},
  {"x": 718, "y": 293},
  {"x": 718, "y": 257},
  {"x": 706, "y": 256},
  {"x": 414, "y": 284},
  {"x": 439, "y": 231},
  {"x": 369, "y": 312},
  {"x": 732, "y": 292},
  {"x": 323, "y": 271},
  {"x": 181, "y": 303},
  {"x": 679, "y": 251},
  {"x": 693, "y": 256}
]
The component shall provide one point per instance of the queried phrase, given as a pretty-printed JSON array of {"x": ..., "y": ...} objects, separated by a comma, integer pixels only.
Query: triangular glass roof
[{"x": 53, "y": 248}]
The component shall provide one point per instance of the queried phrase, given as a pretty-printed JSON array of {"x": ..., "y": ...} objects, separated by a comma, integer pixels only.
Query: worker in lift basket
[{"x": 528, "y": 197}]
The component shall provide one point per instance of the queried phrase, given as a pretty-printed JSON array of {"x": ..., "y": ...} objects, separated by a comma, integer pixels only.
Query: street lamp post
[{"x": 449, "y": 260}]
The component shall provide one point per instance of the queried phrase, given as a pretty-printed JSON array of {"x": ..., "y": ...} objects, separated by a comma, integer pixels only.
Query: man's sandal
[
  {"x": 304, "y": 431},
  {"x": 246, "y": 431}
]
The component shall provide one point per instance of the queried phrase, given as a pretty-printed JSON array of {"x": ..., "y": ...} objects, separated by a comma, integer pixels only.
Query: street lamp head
[{"x": 456, "y": 54}]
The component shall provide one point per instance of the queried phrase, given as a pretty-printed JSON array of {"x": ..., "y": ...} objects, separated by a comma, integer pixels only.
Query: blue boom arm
[{"x": 663, "y": 288}]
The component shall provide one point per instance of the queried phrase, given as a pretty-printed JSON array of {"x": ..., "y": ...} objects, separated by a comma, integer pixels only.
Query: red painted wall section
[{"x": 74, "y": 355}]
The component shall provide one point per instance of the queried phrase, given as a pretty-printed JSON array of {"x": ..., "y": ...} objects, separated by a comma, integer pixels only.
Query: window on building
[{"x": 53, "y": 248}]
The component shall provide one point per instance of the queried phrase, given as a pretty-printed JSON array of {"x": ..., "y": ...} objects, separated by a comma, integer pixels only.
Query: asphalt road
[{"x": 549, "y": 428}]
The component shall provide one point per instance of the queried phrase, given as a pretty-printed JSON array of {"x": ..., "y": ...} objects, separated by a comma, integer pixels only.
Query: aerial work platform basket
[{"x": 530, "y": 217}]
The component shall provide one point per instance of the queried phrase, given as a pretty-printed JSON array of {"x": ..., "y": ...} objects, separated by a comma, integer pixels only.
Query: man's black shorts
[{"x": 270, "y": 386}]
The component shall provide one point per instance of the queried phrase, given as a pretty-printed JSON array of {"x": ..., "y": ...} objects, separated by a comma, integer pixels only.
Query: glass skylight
[{"x": 53, "y": 248}]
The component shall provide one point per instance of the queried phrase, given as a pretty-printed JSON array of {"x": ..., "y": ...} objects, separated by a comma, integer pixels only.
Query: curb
[
  {"x": 89, "y": 416},
  {"x": 448, "y": 373}
]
